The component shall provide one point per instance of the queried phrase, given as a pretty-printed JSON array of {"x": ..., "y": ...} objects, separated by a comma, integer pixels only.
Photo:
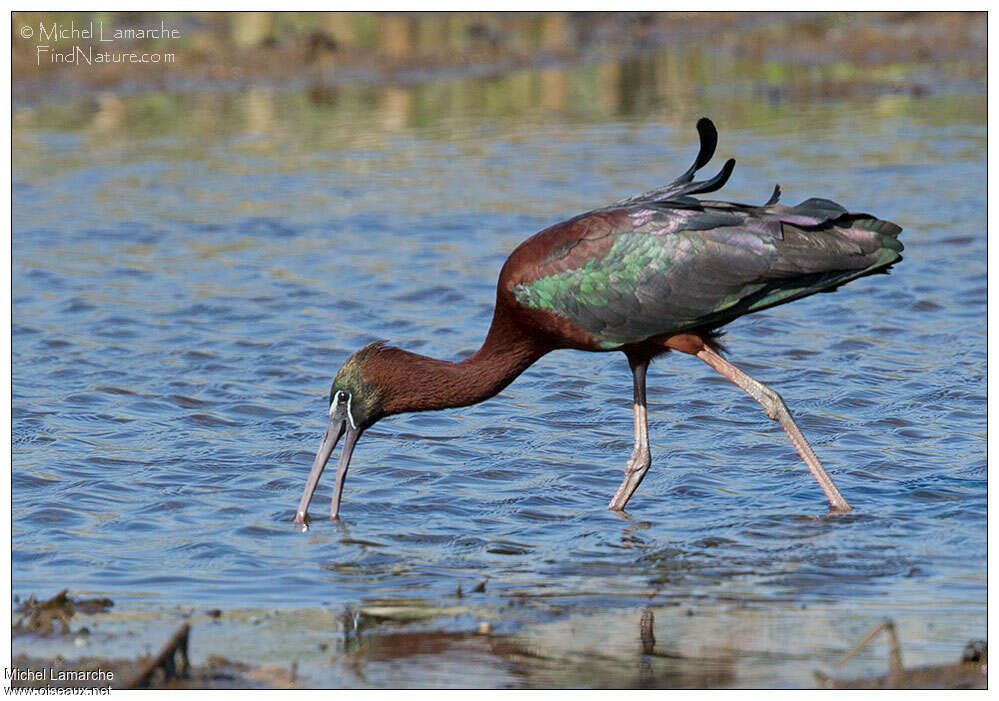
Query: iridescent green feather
[{"x": 649, "y": 284}]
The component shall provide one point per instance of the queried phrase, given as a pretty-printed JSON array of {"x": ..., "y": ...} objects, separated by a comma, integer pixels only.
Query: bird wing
[
  {"x": 654, "y": 267},
  {"x": 664, "y": 261}
]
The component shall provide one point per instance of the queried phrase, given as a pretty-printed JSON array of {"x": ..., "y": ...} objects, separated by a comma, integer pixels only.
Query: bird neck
[{"x": 421, "y": 383}]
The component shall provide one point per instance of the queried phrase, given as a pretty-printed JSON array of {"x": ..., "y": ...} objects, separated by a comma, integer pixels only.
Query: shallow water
[{"x": 190, "y": 270}]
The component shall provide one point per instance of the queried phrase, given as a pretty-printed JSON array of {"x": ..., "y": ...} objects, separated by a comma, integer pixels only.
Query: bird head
[{"x": 355, "y": 403}]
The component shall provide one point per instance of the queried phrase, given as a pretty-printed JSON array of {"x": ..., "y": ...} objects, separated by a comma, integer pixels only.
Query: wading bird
[{"x": 648, "y": 274}]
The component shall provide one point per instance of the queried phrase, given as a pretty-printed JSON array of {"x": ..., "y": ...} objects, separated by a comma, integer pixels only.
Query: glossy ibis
[{"x": 651, "y": 273}]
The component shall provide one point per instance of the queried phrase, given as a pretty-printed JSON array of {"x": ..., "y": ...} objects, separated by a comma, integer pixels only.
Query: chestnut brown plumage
[{"x": 651, "y": 273}]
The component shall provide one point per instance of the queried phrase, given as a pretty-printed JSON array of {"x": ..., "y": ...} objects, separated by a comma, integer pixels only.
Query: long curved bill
[
  {"x": 341, "y": 469},
  {"x": 331, "y": 437}
]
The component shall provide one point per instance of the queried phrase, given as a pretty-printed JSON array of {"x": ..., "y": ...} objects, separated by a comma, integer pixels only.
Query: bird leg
[
  {"x": 777, "y": 410},
  {"x": 640, "y": 459}
]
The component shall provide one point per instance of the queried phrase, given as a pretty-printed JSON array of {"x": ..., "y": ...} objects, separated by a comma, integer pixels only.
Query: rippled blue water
[{"x": 182, "y": 298}]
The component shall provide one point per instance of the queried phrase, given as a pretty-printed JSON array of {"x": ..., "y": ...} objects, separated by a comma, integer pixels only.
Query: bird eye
[{"x": 339, "y": 397}]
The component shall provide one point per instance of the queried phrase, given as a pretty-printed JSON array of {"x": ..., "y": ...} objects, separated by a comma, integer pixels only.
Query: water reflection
[{"x": 660, "y": 85}]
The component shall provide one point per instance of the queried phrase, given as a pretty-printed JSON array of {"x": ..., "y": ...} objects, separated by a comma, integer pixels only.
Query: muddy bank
[
  {"x": 969, "y": 672},
  {"x": 53, "y": 615},
  {"x": 52, "y": 619},
  {"x": 470, "y": 641},
  {"x": 215, "y": 673},
  {"x": 448, "y": 658}
]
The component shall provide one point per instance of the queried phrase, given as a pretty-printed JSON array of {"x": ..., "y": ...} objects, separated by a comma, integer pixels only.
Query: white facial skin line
[{"x": 350, "y": 416}]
